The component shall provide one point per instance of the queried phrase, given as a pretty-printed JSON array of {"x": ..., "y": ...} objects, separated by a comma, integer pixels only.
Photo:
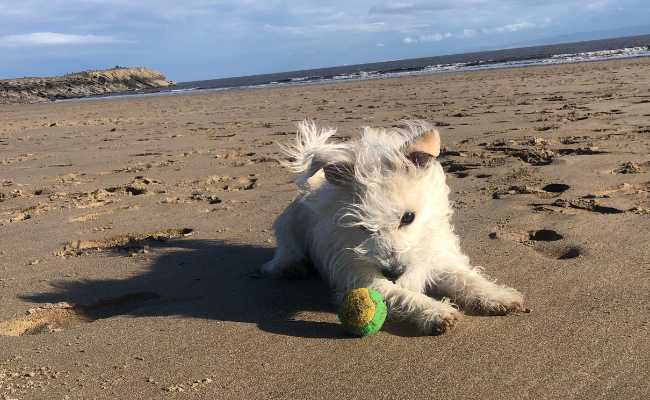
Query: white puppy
[{"x": 374, "y": 212}]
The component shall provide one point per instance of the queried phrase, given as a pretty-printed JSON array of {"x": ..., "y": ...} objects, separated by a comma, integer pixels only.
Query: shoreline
[
  {"x": 597, "y": 50},
  {"x": 180, "y": 92}
]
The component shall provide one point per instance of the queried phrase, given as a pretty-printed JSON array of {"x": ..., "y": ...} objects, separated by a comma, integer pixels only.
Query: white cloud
[
  {"x": 597, "y": 6},
  {"x": 54, "y": 39},
  {"x": 338, "y": 27},
  {"x": 431, "y": 38},
  {"x": 380, "y": 45},
  {"x": 397, "y": 6},
  {"x": 467, "y": 33},
  {"x": 515, "y": 27},
  {"x": 353, "y": 27},
  {"x": 292, "y": 30}
]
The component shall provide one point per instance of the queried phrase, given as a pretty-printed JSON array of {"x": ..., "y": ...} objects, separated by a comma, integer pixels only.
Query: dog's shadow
[{"x": 210, "y": 280}]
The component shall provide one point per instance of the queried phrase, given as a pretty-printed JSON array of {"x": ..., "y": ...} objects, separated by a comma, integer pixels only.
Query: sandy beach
[{"x": 131, "y": 231}]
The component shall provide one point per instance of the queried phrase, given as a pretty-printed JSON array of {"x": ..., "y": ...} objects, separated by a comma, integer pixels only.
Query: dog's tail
[{"x": 310, "y": 151}]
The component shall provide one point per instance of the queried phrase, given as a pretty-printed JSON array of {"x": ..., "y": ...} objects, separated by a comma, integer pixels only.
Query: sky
[{"x": 206, "y": 39}]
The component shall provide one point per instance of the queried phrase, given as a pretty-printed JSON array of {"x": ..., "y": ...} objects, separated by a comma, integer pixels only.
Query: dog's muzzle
[{"x": 393, "y": 272}]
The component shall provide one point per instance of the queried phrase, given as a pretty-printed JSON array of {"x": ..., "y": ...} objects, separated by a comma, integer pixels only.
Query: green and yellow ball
[{"x": 362, "y": 311}]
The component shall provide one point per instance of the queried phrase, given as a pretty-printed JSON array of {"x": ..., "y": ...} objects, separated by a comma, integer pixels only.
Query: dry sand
[{"x": 130, "y": 232}]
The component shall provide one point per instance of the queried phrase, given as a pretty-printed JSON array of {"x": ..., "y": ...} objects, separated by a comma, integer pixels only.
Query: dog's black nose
[{"x": 394, "y": 272}]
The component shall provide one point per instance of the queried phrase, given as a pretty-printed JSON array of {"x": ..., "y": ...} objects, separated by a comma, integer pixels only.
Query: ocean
[{"x": 593, "y": 50}]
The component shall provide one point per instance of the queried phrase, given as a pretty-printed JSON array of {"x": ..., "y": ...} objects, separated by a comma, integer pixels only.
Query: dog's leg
[
  {"x": 289, "y": 260},
  {"x": 468, "y": 287},
  {"x": 431, "y": 316},
  {"x": 286, "y": 263}
]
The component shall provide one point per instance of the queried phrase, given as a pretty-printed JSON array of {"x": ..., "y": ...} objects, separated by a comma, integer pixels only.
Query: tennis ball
[{"x": 362, "y": 311}]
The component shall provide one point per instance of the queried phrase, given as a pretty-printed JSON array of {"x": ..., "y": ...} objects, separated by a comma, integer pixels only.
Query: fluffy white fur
[{"x": 348, "y": 222}]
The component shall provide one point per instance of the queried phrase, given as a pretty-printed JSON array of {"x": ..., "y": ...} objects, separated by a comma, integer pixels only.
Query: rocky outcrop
[{"x": 81, "y": 84}]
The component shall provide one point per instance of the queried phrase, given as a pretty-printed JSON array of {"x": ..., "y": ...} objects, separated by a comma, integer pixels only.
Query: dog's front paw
[
  {"x": 293, "y": 270},
  {"x": 296, "y": 270},
  {"x": 434, "y": 323},
  {"x": 502, "y": 302}
]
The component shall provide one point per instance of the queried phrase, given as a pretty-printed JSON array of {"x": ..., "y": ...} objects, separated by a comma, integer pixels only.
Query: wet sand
[{"x": 131, "y": 231}]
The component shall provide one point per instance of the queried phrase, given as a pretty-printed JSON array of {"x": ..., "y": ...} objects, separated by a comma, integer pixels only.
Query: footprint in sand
[
  {"x": 145, "y": 154},
  {"x": 144, "y": 166},
  {"x": 458, "y": 168},
  {"x": 549, "y": 244},
  {"x": 548, "y": 191},
  {"x": 130, "y": 190},
  {"x": 539, "y": 156},
  {"x": 577, "y": 205},
  {"x": 96, "y": 215},
  {"x": 57, "y": 317},
  {"x": 556, "y": 188},
  {"x": 243, "y": 156},
  {"x": 195, "y": 197},
  {"x": 75, "y": 178},
  {"x": 20, "y": 158},
  {"x": 632, "y": 168},
  {"x": 241, "y": 184},
  {"x": 130, "y": 243},
  {"x": 620, "y": 199},
  {"x": 253, "y": 161},
  {"x": 137, "y": 187}
]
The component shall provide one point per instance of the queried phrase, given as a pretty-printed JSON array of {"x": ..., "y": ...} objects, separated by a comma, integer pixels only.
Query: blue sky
[{"x": 204, "y": 39}]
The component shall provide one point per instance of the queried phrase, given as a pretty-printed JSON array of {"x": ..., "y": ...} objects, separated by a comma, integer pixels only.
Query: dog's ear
[
  {"x": 427, "y": 142},
  {"x": 424, "y": 148},
  {"x": 419, "y": 158},
  {"x": 340, "y": 173}
]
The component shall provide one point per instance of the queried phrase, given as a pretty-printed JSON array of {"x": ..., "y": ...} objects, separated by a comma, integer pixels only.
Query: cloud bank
[
  {"x": 219, "y": 38},
  {"x": 467, "y": 33},
  {"x": 518, "y": 27},
  {"x": 54, "y": 39}
]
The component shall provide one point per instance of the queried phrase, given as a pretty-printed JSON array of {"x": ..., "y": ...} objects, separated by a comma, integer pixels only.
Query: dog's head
[{"x": 383, "y": 194}]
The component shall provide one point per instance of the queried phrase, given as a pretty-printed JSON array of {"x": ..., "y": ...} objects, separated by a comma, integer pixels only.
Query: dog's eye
[
  {"x": 407, "y": 218},
  {"x": 363, "y": 228}
]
